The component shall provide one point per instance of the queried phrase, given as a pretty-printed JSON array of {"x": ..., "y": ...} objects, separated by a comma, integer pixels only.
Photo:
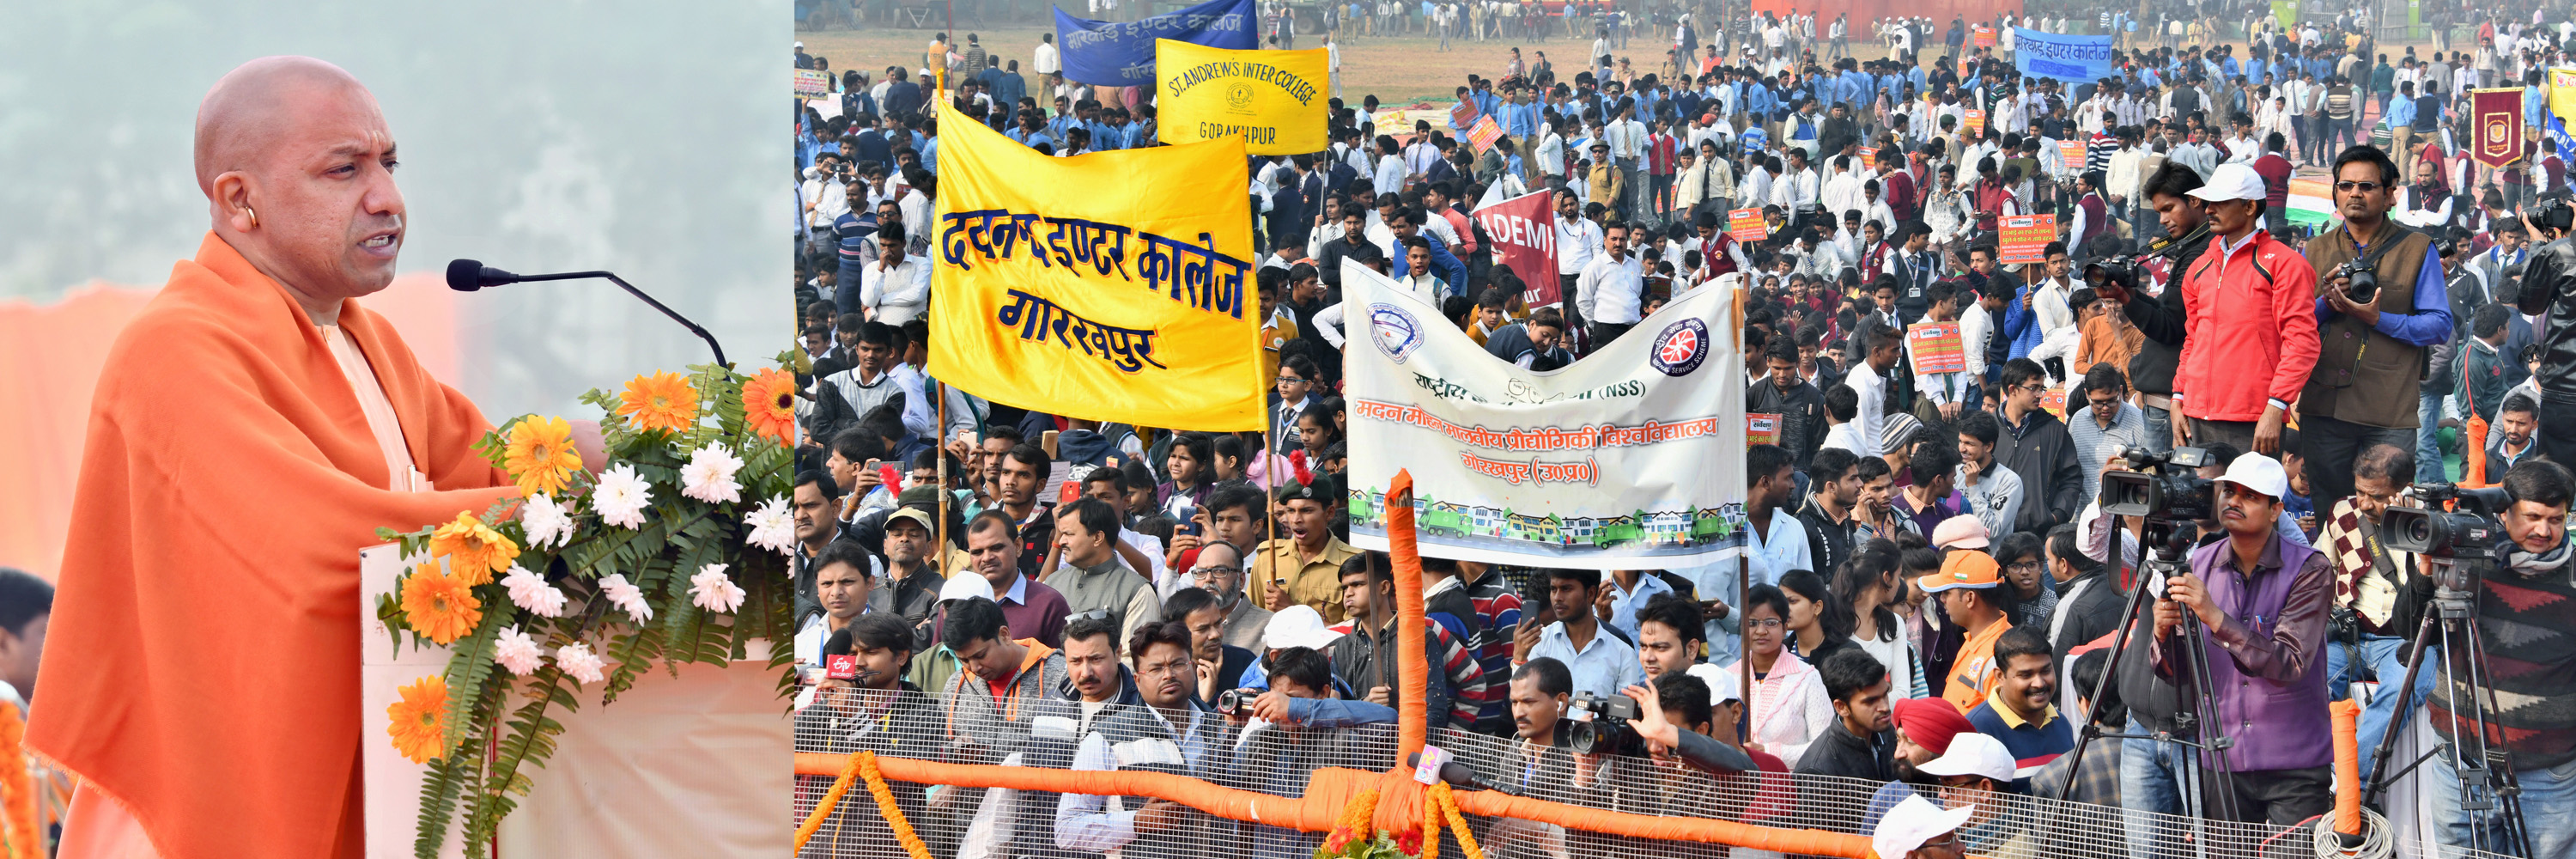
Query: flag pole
[{"x": 941, "y": 450}]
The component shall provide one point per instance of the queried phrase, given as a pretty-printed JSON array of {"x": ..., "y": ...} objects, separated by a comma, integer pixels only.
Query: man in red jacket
[{"x": 2250, "y": 322}]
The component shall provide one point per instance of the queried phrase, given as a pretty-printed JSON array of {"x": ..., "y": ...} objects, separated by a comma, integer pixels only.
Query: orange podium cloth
[{"x": 204, "y": 667}]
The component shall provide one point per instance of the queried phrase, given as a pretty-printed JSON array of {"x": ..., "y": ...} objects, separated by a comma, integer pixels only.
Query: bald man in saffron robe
[{"x": 253, "y": 426}]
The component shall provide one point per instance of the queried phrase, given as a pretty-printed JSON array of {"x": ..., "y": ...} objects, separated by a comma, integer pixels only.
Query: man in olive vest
[{"x": 2367, "y": 386}]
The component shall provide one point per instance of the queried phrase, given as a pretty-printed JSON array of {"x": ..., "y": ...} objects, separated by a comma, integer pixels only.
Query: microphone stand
[{"x": 647, "y": 299}]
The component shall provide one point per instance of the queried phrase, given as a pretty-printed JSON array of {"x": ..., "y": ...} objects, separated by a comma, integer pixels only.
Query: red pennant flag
[{"x": 2498, "y": 114}]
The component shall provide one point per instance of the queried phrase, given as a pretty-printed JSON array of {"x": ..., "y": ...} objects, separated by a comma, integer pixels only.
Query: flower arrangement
[{"x": 675, "y": 553}]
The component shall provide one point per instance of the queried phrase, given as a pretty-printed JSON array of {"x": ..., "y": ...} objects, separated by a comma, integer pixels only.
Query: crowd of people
[{"x": 1928, "y": 559}]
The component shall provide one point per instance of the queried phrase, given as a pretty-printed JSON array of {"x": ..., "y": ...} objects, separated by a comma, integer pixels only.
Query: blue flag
[{"x": 1101, "y": 53}]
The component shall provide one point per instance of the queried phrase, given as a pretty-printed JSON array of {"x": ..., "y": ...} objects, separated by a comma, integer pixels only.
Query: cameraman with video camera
[
  {"x": 2382, "y": 301},
  {"x": 2161, "y": 314},
  {"x": 2523, "y": 620},
  {"x": 2379, "y": 591},
  {"x": 2549, "y": 286},
  {"x": 2263, "y": 601}
]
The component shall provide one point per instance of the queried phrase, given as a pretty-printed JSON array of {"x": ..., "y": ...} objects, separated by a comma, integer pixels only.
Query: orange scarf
[{"x": 204, "y": 667}]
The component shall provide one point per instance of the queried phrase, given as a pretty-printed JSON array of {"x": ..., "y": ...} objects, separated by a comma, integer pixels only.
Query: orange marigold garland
[
  {"x": 1357, "y": 822},
  {"x": 25, "y": 839},
  {"x": 885, "y": 805},
  {"x": 1430, "y": 831},
  {"x": 831, "y": 797},
  {"x": 1448, "y": 803}
]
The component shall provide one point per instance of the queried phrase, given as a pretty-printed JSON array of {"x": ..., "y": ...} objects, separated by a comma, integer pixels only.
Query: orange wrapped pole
[
  {"x": 1412, "y": 713},
  {"x": 2347, "y": 768},
  {"x": 1329, "y": 793}
]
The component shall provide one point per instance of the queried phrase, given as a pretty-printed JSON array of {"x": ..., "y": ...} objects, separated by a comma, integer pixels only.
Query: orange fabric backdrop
[{"x": 49, "y": 365}]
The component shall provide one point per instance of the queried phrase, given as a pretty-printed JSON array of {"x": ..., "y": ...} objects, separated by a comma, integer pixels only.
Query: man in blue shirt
[
  {"x": 2401, "y": 130},
  {"x": 1601, "y": 663},
  {"x": 2019, "y": 712}
]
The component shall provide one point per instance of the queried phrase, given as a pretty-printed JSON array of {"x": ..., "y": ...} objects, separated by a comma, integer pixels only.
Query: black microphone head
[
  {"x": 838, "y": 644},
  {"x": 465, "y": 275}
]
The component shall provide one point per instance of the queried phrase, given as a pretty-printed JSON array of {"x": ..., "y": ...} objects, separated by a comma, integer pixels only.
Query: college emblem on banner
[
  {"x": 1397, "y": 333},
  {"x": 2499, "y": 125},
  {"x": 1679, "y": 349}
]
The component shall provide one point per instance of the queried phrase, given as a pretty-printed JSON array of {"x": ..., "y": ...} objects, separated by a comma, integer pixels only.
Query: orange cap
[{"x": 1966, "y": 568}]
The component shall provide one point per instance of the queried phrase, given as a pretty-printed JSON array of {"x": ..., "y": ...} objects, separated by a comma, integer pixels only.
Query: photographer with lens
[
  {"x": 2381, "y": 302},
  {"x": 2263, "y": 601},
  {"x": 2549, "y": 287},
  {"x": 2162, "y": 314},
  {"x": 2522, "y": 620},
  {"x": 2250, "y": 311}
]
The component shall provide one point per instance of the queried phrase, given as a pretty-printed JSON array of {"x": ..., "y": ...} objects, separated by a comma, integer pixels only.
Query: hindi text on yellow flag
[
  {"x": 1114, "y": 286},
  {"x": 1274, "y": 100},
  {"x": 2562, "y": 94}
]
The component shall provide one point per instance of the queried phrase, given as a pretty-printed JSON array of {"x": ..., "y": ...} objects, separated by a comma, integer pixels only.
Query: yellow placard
[
  {"x": 2562, "y": 94},
  {"x": 1111, "y": 286},
  {"x": 1273, "y": 100}
]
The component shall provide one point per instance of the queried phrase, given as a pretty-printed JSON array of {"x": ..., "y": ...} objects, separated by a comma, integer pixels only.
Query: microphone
[
  {"x": 467, "y": 275},
  {"x": 1458, "y": 774}
]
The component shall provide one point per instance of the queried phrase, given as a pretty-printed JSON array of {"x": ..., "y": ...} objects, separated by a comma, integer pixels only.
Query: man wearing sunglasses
[{"x": 2367, "y": 386}]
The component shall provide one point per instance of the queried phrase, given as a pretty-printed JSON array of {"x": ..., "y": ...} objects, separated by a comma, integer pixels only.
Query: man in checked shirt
[{"x": 2380, "y": 593}]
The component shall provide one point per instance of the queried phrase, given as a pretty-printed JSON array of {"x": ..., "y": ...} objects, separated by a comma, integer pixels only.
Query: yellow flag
[
  {"x": 2562, "y": 94},
  {"x": 1115, "y": 286},
  {"x": 1274, "y": 100}
]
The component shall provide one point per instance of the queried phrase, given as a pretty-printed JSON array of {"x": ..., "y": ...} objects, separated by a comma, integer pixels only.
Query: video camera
[
  {"x": 2473, "y": 532},
  {"x": 1603, "y": 727},
  {"x": 2164, "y": 486},
  {"x": 1236, "y": 702},
  {"x": 2553, "y": 212},
  {"x": 2123, "y": 270}
]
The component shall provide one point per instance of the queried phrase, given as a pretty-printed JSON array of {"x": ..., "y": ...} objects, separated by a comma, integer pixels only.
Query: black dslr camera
[
  {"x": 2364, "y": 286},
  {"x": 1606, "y": 731},
  {"x": 2163, "y": 485},
  {"x": 2551, "y": 212},
  {"x": 2121, "y": 270}
]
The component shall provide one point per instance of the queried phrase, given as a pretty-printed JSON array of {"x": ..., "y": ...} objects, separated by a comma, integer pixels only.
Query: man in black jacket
[
  {"x": 1785, "y": 393},
  {"x": 2549, "y": 286},
  {"x": 2089, "y": 598},
  {"x": 2161, "y": 317},
  {"x": 1860, "y": 743},
  {"x": 2036, "y": 446}
]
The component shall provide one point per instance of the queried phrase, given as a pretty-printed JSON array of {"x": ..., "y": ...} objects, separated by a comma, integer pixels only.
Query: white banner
[{"x": 1635, "y": 452}]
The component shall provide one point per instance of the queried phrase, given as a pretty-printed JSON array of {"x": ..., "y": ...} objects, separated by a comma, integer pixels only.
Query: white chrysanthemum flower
[
  {"x": 530, "y": 592},
  {"x": 772, "y": 527},
  {"x": 547, "y": 522},
  {"x": 710, "y": 589},
  {"x": 621, "y": 496},
  {"x": 626, "y": 597},
  {"x": 578, "y": 661},
  {"x": 709, "y": 475},
  {"x": 518, "y": 652}
]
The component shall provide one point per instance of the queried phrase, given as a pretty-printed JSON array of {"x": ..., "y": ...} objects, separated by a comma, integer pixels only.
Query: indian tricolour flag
[{"x": 2311, "y": 202}]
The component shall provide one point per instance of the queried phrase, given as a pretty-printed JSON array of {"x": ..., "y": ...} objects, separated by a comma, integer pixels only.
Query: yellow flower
[
  {"x": 540, "y": 455},
  {"x": 769, "y": 404},
  {"x": 419, "y": 720},
  {"x": 659, "y": 401},
  {"x": 439, "y": 605},
  {"x": 472, "y": 549}
]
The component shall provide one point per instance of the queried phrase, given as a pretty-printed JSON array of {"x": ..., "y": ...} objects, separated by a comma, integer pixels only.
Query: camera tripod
[
  {"x": 2484, "y": 769},
  {"x": 2172, "y": 542}
]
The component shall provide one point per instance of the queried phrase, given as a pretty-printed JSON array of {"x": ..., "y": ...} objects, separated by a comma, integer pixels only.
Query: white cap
[
  {"x": 1297, "y": 626},
  {"x": 2231, "y": 182},
  {"x": 1914, "y": 821},
  {"x": 1972, "y": 753},
  {"x": 965, "y": 584},
  {"x": 1722, "y": 684},
  {"x": 800, "y": 46},
  {"x": 2259, "y": 473}
]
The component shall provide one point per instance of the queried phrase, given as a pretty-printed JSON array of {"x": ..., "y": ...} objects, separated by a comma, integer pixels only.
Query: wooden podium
[{"x": 693, "y": 766}]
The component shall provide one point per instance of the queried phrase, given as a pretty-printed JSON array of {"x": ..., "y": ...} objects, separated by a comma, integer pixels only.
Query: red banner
[
  {"x": 2499, "y": 125},
  {"x": 1523, "y": 230}
]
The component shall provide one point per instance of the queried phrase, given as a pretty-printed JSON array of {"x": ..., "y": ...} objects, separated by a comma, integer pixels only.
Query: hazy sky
[{"x": 647, "y": 137}]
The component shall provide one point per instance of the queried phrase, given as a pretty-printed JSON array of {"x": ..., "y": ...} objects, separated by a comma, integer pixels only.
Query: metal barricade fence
[{"x": 1280, "y": 761}]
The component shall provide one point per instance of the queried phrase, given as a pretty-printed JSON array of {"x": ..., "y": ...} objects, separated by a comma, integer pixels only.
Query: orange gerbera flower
[
  {"x": 769, "y": 404},
  {"x": 439, "y": 605},
  {"x": 472, "y": 549},
  {"x": 540, "y": 455},
  {"x": 419, "y": 720},
  {"x": 660, "y": 401}
]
